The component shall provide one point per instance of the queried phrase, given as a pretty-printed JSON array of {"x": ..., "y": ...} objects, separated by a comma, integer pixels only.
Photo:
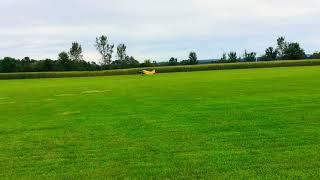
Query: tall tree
[
  {"x": 105, "y": 49},
  {"x": 224, "y": 57},
  {"x": 121, "y": 52},
  {"x": 75, "y": 53},
  {"x": 271, "y": 54},
  {"x": 193, "y": 59},
  {"x": 282, "y": 45},
  {"x": 64, "y": 61},
  {"x": 233, "y": 57}
]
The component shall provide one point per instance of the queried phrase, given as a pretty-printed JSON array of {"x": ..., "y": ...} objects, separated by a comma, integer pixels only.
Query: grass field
[{"x": 250, "y": 123}]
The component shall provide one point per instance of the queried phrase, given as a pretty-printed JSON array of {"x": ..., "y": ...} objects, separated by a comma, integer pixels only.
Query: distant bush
[
  {"x": 163, "y": 69},
  {"x": 315, "y": 55}
]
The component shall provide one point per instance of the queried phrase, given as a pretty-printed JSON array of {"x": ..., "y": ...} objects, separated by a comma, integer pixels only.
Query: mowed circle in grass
[{"x": 254, "y": 123}]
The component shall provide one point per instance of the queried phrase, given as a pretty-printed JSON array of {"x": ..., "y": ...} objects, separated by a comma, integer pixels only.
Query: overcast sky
[{"x": 156, "y": 29}]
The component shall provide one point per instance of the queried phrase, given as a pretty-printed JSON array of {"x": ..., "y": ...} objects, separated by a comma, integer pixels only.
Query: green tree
[
  {"x": 155, "y": 63},
  {"x": 45, "y": 65},
  {"x": 282, "y": 45},
  {"x": 271, "y": 54},
  {"x": 64, "y": 61},
  {"x": 8, "y": 64},
  {"x": 193, "y": 59},
  {"x": 250, "y": 56},
  {"x": 147, "y": 63},
  {"x": 75, "y": 53},
  {"x": 232, "y": 57},
  {"x": 315, "y": 55},
  {"x": 124, "y": 61},
  {"x": 173, "y": 61},
  {"x": 105, "y": 49},
  {"x": 185, "y": 62},
  {"x": 132, "y": 61},
  {"x": 224, "y": 57},
  {"x": 121, "y": 52},
  {"x": 293, "y": 51},
  {"x": 26, "y": 64}
]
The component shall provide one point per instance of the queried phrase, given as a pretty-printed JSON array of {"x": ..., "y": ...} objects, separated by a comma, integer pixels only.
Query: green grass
[{"x": 252, "y": 123}]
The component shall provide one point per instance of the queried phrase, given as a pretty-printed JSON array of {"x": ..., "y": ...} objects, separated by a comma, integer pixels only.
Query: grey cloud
[{"x": 155, "y": 29}]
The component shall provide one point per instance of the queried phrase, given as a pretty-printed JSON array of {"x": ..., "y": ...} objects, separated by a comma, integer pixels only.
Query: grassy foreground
[{"x": 253, "y": 123}]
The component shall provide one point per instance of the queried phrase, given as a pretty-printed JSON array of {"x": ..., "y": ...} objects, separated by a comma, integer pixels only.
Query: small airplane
[{"x": 148, "y": 72}]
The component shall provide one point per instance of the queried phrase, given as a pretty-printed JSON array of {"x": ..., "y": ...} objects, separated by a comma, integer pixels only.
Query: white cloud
[{"x": 155, "y": 29}]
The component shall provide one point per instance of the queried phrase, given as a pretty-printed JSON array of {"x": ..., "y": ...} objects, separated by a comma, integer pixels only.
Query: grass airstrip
[{"x": 248, "y": 123}]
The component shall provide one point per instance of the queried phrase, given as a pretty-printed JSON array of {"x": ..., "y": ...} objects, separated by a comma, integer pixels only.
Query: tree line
[
  {"x": 284, "y": 51},
  {"x": 73, "y": 60}
]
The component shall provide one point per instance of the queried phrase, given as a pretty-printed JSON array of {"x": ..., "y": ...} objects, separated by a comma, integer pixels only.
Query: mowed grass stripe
[{"x": 251, "y": 123}]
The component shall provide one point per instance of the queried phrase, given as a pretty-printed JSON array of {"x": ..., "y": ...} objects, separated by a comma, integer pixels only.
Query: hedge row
[{"x": 164, "y": 69}]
